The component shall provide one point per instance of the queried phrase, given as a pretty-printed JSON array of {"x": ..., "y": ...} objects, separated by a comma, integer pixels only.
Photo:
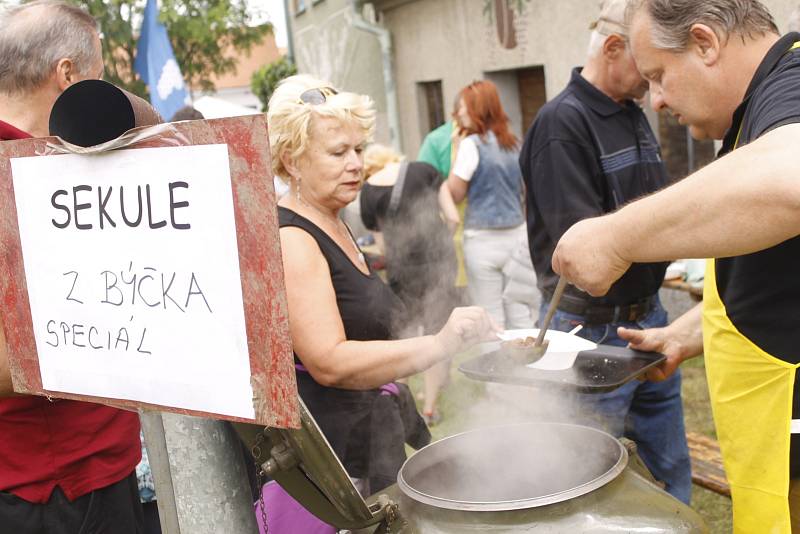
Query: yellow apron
[{"x": 751, "y": 398}]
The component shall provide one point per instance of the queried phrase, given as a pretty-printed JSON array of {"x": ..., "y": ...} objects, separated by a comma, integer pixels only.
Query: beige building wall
[
  {"x": 326, "y": 45},
  {"x": 781, "y": 10},
  {"x": 456, "y": 42},
  {"x": 452, "y": 41}
]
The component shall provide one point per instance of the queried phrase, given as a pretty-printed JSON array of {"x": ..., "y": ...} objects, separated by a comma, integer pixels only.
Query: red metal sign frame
[{"x": 265, "y": 307}]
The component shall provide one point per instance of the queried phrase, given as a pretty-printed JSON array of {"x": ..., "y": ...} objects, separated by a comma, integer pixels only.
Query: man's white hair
[{"x": 596, "y": 42}]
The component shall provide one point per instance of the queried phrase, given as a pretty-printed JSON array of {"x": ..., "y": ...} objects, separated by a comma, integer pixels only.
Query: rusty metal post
[{"x": 201, "y": 483}]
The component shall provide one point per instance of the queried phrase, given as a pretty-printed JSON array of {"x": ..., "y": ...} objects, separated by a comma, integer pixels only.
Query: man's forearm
[{"x": 747, "y": 201}]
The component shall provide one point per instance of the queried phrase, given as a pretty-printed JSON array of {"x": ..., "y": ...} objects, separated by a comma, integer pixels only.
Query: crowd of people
[{"x": 584, "y": 196}]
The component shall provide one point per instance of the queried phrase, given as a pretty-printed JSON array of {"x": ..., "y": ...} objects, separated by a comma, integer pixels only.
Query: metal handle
[{"x": 562, "y": 283}]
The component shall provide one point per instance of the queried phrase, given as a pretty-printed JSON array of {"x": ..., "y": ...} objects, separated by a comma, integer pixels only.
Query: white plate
[
  {"x": 562, "y": 348},
  {"x": 675, "y": 271}
]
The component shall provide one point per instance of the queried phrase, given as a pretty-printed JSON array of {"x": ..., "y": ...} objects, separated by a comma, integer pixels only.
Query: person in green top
[{"x": 436, "y": 148}]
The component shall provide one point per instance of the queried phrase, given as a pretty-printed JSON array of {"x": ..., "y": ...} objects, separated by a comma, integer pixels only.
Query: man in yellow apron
[{"x": 722, "y": 68}]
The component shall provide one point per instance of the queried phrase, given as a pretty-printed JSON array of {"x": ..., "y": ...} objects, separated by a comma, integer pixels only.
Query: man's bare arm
[{"x": 747, "y": 201}]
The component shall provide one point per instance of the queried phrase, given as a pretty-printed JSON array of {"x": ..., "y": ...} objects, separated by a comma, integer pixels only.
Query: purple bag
[{"x": 287, "y": 516}]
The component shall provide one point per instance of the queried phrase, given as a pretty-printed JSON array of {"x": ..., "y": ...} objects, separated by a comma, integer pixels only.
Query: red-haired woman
[{"x": 486, "y": 172}]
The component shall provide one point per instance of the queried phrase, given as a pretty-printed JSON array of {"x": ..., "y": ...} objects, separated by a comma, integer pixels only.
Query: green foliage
[
  {"x": 267, "y": 78},
  {"x": 204, "y": 35}
]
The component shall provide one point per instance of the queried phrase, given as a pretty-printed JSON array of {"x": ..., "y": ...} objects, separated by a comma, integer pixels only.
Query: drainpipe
[
  {"x": 289, "y": 36},
  {"x": 385, "y": 40}
]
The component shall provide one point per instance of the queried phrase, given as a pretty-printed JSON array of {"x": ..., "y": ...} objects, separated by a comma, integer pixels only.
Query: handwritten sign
[
  {"x": 133, "y": 276},
  {"x": 149, "y": 276}
]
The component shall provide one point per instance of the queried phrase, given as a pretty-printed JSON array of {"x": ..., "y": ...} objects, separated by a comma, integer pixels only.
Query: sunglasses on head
[{"x": 317, "y": 95}]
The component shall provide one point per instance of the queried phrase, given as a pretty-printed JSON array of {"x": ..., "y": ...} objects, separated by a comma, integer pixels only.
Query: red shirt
[
  {"x": 79, "y": 446},
  {"x": 8, "y": 132}
]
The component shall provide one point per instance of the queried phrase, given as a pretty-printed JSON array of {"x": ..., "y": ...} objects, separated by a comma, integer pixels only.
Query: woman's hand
[
  {"x": 448, "y": 208},
  {"x": 451, "y": 222},
  {"x": 466, "y": 327}
]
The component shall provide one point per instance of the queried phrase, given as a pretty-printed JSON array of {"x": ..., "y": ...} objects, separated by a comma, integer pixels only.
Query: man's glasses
[{"x": 316, "y": 96}]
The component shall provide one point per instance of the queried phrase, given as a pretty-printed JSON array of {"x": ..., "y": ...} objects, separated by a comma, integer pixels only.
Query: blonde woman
[
  {"x": 341, "y": 313},
  {"x": 399, "y": 199}
]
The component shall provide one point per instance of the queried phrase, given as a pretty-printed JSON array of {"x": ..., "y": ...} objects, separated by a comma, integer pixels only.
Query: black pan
[{"x": 595, "y": 371}]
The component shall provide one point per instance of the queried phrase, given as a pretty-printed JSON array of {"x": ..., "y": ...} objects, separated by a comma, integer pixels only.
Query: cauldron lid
[{"x": 512, "y": 467}]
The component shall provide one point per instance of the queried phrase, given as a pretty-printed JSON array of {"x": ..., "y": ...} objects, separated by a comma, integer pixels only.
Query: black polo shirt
[
  {"x": 761, "y": 291},
  {"x": 586, "y": 155}
]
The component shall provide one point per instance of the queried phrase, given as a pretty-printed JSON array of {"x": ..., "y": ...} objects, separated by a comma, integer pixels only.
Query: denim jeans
[{"x": 649, "y": 413}]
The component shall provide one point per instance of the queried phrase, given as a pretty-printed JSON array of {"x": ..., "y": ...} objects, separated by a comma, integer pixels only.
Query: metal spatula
[{"x": 540, "y": 347}]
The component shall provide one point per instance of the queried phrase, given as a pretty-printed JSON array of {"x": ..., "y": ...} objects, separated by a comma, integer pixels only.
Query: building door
[
  {"x": 532, "y": 95},
  {"x": 522, "y": 93}
]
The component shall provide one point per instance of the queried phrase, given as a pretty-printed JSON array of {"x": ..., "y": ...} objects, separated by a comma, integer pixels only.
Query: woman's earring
[{"x": 297, "y": 189}]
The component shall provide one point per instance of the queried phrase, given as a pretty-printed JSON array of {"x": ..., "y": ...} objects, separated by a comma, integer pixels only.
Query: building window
[
  {"x": 299, "y": 6},
  {"x": 433, "y": 114}
]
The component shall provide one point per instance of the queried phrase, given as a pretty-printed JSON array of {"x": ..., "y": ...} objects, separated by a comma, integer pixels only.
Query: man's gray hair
[
  {"x": 36, "y": 35},
  {"x": 672, "y": 19}
]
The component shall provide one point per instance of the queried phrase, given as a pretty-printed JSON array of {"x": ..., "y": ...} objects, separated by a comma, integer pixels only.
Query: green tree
[
  {"x": 267, "y": 78},
  {"x": 204, "y": 34}
]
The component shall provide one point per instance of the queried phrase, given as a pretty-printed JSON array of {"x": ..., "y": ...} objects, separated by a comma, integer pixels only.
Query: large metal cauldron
[
  {"x": 535, "y": 477},
  {"x": 532, "y": 477}
]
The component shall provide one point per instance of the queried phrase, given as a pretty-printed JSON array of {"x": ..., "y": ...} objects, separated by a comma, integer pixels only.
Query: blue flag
[{"x": 156, "y": 65}]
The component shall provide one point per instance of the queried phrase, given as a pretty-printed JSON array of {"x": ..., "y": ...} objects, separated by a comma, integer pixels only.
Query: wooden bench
[
  {"x": 679, "y": 285},
  {"x": 707, "y": 470}
]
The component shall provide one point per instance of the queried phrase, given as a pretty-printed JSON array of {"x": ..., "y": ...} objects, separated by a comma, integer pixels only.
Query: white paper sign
[{"x": 132, "y": 270}]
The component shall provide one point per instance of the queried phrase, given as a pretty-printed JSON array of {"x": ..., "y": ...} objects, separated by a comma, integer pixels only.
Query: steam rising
[
  {"x": 421, "y": 262},
  {"x": 500, "y": 463},
  {"x": 514, "y": 463},
  {"x": 510, "y": 459}
]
